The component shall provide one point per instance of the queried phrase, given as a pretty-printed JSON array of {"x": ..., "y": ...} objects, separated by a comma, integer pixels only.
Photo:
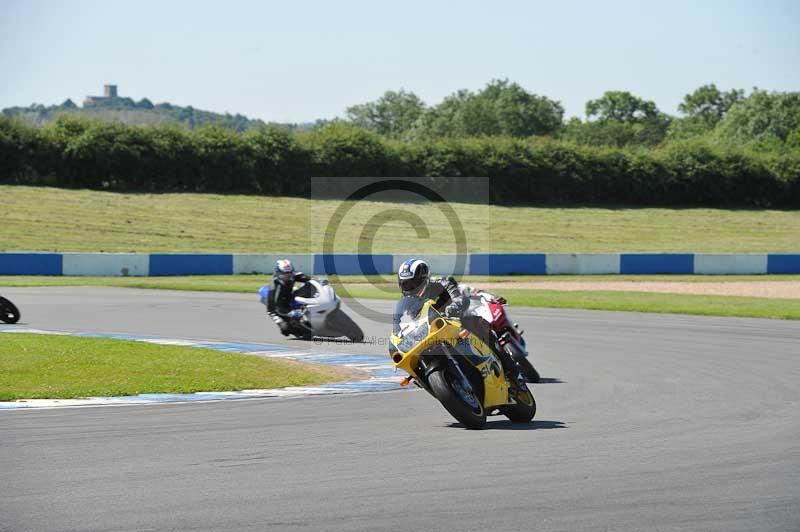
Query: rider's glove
[
  {"x": 281, "y": 323},
  {"x": 453, "y": 310}
]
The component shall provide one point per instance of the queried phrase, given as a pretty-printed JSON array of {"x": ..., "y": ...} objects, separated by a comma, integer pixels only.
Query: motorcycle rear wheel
[
  {"x": 525, "y": 408},
  {"x": 342, "y": 323},
  {"x": 9, "y": 313},
  {"x": 472, "y": 416}
]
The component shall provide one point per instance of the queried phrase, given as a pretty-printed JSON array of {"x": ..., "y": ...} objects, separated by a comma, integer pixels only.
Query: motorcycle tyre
[
  {"x": 524, "y": 365},
  {"x": 9, "y": 313},
  {"x": 525, "y": 408},
  {"x": 452, "y": 402},
  {"x": 344, "y": 324}
]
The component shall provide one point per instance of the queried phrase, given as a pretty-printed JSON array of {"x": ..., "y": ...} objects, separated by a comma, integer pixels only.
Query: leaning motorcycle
[
  {"x": 9, "y": 313},
  {"x": 454, "y": 366},
  {"x": 316, "y": 311},
  {"x": 509, "y": 335}
]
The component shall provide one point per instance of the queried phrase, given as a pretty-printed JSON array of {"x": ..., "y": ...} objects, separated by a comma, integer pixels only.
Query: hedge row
[{"x": 100, "y": 155}]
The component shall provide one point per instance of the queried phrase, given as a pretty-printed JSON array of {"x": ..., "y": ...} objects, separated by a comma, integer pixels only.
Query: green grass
[
  {"x": 203, "y": 283},
  {"x": 251, "y": 283},
  {"x": 701, "y": 305},
  {"x": 356, "y": 286},
  {"x": 49, "y": 219},
  {"x": 36, "y": 366},
  {"x": 389, "y": 279}
]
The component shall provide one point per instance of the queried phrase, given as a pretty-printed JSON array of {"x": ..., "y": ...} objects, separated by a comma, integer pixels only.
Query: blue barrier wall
[
  {"x": 343, "y": 264},
  {"x": 507, "y": 264},
  {"x": 190, "y": 264},
  {"x": 161, "y": 264},
  {"x": 31, "y": 264},
  {"x": 650, "y": 263},
  {"x": 783, "y": 263}
]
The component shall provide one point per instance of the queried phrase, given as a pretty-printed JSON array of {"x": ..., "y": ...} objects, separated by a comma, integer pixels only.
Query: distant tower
[{"x": 110, "y": 91}]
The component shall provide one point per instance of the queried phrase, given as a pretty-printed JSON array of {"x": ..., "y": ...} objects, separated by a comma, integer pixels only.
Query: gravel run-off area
[{"x": 769, "y": 289}]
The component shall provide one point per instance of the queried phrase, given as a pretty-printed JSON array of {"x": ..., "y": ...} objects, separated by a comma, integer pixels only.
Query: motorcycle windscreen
[
  {"x": 406, "y": 312},
  {"x": 412, "y": 337}
]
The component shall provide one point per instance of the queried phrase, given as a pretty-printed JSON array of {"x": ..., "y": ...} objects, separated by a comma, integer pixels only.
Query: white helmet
[
  {"x": 284, "y": 271},
  {"x": 284, "y": 266}
]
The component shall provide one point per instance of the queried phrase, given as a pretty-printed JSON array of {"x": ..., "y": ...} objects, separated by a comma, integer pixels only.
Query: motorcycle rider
[
  {"x": 478, "y": 294},
  {"x": 279, "y": 304},
  {"x": 414, "y": 279}
]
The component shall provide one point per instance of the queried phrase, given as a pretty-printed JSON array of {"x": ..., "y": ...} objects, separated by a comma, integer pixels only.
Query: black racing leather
[
  {"x": 449, "y": 300},
  {"x": 280, "y": 297}
]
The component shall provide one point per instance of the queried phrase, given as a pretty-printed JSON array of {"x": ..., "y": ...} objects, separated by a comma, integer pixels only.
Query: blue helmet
[{"x": 412, "y": 275}]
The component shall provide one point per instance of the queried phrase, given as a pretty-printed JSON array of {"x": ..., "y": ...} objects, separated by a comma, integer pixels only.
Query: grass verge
[
  {"x": 50, "y": 219},
  {"x": 250, "y": 283},
  {"x": 34, "y": 366},
  {"x": 599, "y": 299},
  {"x": 702, "y": 305}
]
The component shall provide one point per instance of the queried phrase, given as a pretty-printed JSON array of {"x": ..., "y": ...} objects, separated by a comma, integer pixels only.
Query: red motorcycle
[{"x": 492, "y": 309}]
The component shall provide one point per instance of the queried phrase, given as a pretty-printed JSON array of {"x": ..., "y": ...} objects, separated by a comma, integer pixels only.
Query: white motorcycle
[{"x": 316, "y": 312}]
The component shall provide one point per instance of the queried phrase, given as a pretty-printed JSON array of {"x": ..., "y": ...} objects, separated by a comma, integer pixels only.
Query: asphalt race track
[{"x": 645, "y": 422}]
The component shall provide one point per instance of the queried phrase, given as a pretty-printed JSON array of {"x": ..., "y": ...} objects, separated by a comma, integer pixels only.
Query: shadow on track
[
  {"x": 536, "y": 424},
  {"x": 550, "y": 380}
]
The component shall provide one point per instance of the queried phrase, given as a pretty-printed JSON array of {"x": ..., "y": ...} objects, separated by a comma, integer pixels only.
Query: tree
[
  {"x": 144, "y": 103},
  {"x": 392, "y": 115},
  {"x": 68, "y": 104},
  {"x": 761, "y": 117},
  {"x": 519, "y": 113},
  {"x": 622, "y": 106},
  {"x": 501, "y": 108},
  {"x": 615, "y": 133},
  {"x": 620, "y": 119},
  {"x": 793, "y": 140},
  {"x": 708, "y": 104},
  {"x": 446, "y": 119}
]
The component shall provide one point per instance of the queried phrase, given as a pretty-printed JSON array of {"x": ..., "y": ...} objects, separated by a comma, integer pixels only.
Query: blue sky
[{"x": 298, "y": 61}]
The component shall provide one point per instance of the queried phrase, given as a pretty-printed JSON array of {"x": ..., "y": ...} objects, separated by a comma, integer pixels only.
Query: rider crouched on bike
[
  {"x": 279, "y": 304},
  {"x": 414, "y": 279}
]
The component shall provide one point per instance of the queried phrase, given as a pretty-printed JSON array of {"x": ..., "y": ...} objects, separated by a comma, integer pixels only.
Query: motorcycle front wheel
[
  {"x": 9, "y": 313},
  {"x": 525, "y": 366},
  {"x": 460, "y": 402}
]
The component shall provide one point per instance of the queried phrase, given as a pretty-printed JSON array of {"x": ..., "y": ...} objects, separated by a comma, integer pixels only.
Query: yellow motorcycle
[{"x": 454, "y": 366}]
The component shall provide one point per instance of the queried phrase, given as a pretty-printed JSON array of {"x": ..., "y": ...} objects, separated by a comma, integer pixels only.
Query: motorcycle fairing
[{"x": 434, "y": 333}]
